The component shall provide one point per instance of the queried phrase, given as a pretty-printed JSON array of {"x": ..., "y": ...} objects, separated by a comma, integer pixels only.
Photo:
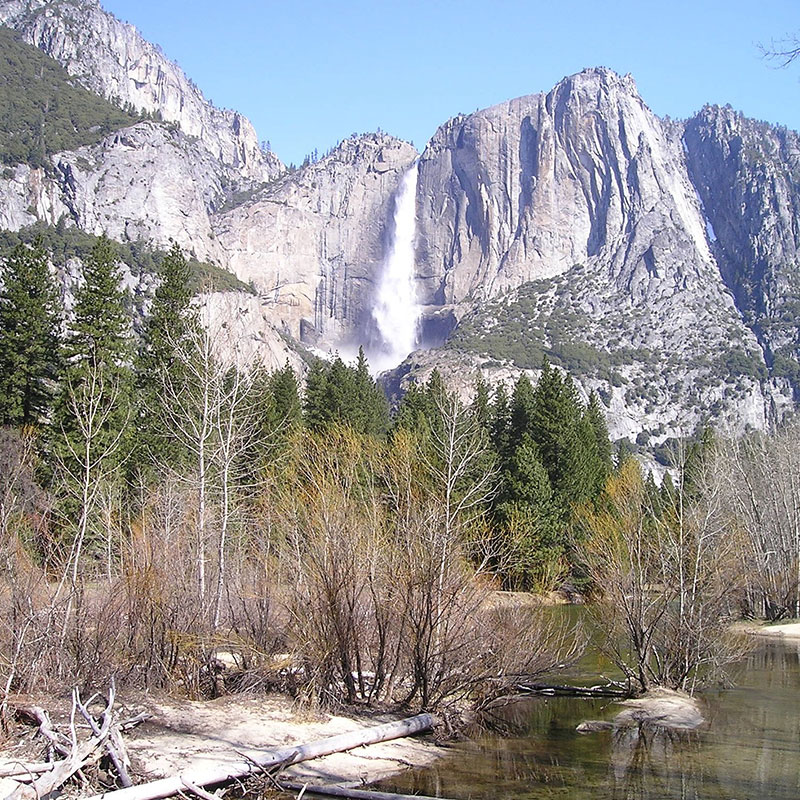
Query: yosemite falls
[{"x": 396, "y": 312}]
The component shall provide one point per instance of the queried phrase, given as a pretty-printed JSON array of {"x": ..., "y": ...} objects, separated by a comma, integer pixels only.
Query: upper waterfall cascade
[{"x": 396, "y": 312}]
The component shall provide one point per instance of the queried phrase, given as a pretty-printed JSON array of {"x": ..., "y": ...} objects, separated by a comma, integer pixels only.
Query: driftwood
[
  {"x": 105, "y": 736},
  {"x": 571, "y": 691},
  {"x": 245, "y": 767},
  {"x": 20, "y": 769},
  {"x": 356, "y": 794}
]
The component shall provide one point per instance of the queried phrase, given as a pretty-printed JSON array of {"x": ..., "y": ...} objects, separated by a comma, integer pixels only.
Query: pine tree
[
  {"x": 340, "y": 394},
  {"x": 597, "y": 445},
  {"x": 500, "y": 425},
  {"x": 316, "y": 412},
  {"x": 94, "y": 405},
  {"x": 30, "y": 319},
  {"x": 413, "y": 410},
  {"x": 93, "y": 409},
  {"x": 523, "y": 408},
  {"x": 531, "y": 522},
  {"x": 374, "y": 416},
  {"x": 555, "y": 426},
  {"x": 481, "y": 406},
  {"x": 166, "y": 328},
  {"x": 169, "y": 320},
  {"x": 284, "y": 391}
]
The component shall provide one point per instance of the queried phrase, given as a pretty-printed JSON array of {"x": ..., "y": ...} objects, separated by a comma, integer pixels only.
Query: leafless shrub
[
  {"x": 387, "y": 606},
  {"x": 664, "y": 582},
  {"x": 760, "y": 478}
]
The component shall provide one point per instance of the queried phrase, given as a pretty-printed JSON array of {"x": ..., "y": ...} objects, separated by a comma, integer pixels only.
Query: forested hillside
[{"x": 43, "y": 110}]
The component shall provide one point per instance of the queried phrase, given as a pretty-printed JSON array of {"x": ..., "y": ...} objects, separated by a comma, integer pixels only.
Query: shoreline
[
  {"x": 781, "y": 630},
  {"x": 186, "y": 734}
]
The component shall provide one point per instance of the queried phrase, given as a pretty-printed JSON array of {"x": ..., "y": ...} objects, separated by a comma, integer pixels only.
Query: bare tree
[
  {"x": 782, "y": 51},
  {"x": 211, "y": 414},
  {"x": 664, "y": 580},
  {"x": 761, "y": 476}
]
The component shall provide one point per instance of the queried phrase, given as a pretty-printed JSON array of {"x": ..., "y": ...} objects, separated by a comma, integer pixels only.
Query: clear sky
[{"x": 308, "y": 73}]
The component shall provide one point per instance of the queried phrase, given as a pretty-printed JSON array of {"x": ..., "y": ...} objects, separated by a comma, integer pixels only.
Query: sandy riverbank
[
  {"x": 785, "y": 630},
  {"x": 186, "y": 734}
]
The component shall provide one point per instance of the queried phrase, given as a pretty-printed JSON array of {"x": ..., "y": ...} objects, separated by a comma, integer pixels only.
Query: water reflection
[{"x": 750, "y": 748}]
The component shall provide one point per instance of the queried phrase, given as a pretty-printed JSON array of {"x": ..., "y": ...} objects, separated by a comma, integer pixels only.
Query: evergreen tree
[
  {"x": 413, "y": 412},
  {"x": 316, "y": 411},
  {"x": 374, "y": 416},
  {"x": 94, "y": 405},
  {"x": 523, "y": 406},
  {"x": 30, "y": 318},
  {"x": 169, "y": 320},
  {"x": 531, "y": 521},
  {"x": 500, "y": 425},
  {"x": 481, "y": 406},
  {"x": 555, "y": 426},
  {"x": 694, "y": 458},
  {"x": 597, "y": 445},
  {"x": 166, "y": 328},
  {"x": 667, "y": 492},
  {"x": 340, "y": 394},
  {"x": 284, "y": 392}
]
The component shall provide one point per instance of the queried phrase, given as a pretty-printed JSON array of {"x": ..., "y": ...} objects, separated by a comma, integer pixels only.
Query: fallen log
[
  {"x": 284, "y": 756},
  {"x": 19, "y": 769},
  {"x": 555, "y": 690},
  {"x": 81, "y": 752},
  {"x": 355, "y": 794}
]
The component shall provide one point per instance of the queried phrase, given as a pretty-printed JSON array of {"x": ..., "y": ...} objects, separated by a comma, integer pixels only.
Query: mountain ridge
[{"x": 655, "y": 259}]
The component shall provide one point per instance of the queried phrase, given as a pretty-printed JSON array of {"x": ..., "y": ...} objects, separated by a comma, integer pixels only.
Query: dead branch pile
[{"x": 89, "y": 749}]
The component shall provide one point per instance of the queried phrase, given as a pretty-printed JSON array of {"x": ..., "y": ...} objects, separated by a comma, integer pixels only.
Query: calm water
[{"x": 750, "y": 748}]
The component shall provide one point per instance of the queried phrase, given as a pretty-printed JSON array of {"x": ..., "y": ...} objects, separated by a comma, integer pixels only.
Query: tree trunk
[{"x": 222, "y": 773}]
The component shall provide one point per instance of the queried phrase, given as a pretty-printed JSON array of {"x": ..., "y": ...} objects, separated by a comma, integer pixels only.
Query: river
[{"x": 749, "y": 748}]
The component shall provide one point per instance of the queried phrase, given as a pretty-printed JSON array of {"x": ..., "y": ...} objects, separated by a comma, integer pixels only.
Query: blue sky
[{"x": 310, "y": 73}]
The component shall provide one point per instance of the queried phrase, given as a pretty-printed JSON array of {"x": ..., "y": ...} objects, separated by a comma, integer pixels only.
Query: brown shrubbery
[{"x": 347, "y": 577}]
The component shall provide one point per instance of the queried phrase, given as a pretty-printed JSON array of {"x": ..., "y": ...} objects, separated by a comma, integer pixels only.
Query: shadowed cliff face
[{"x": 747, "y": 174}]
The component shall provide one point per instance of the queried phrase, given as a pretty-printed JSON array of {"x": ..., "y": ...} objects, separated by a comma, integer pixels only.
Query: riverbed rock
[{"x": 658, "y": 708}]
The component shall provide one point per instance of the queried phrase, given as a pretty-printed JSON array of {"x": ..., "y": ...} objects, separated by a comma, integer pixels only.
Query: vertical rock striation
[
  {"x": 313, "y": 241},
  {"x": 747, "y": 175},
  {"x": 529, "y": 188}
]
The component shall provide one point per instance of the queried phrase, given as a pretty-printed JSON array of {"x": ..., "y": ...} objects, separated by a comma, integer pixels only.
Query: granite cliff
[{"x": 112, "y": 59}]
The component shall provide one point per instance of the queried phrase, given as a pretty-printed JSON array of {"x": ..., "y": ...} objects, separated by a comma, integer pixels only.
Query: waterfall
[{"x": 396, "y": 312}]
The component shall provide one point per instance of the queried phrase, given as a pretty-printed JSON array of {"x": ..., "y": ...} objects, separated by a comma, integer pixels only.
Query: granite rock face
[
  {"x": 313, "y": 241},
  {"x": 568, "y": 225},
  {"x": 112, "y": 59},
  {"x": 148, "y": 182},
  {"x": 747, "y": 175},
  {"x": 585, "y": 174}
]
